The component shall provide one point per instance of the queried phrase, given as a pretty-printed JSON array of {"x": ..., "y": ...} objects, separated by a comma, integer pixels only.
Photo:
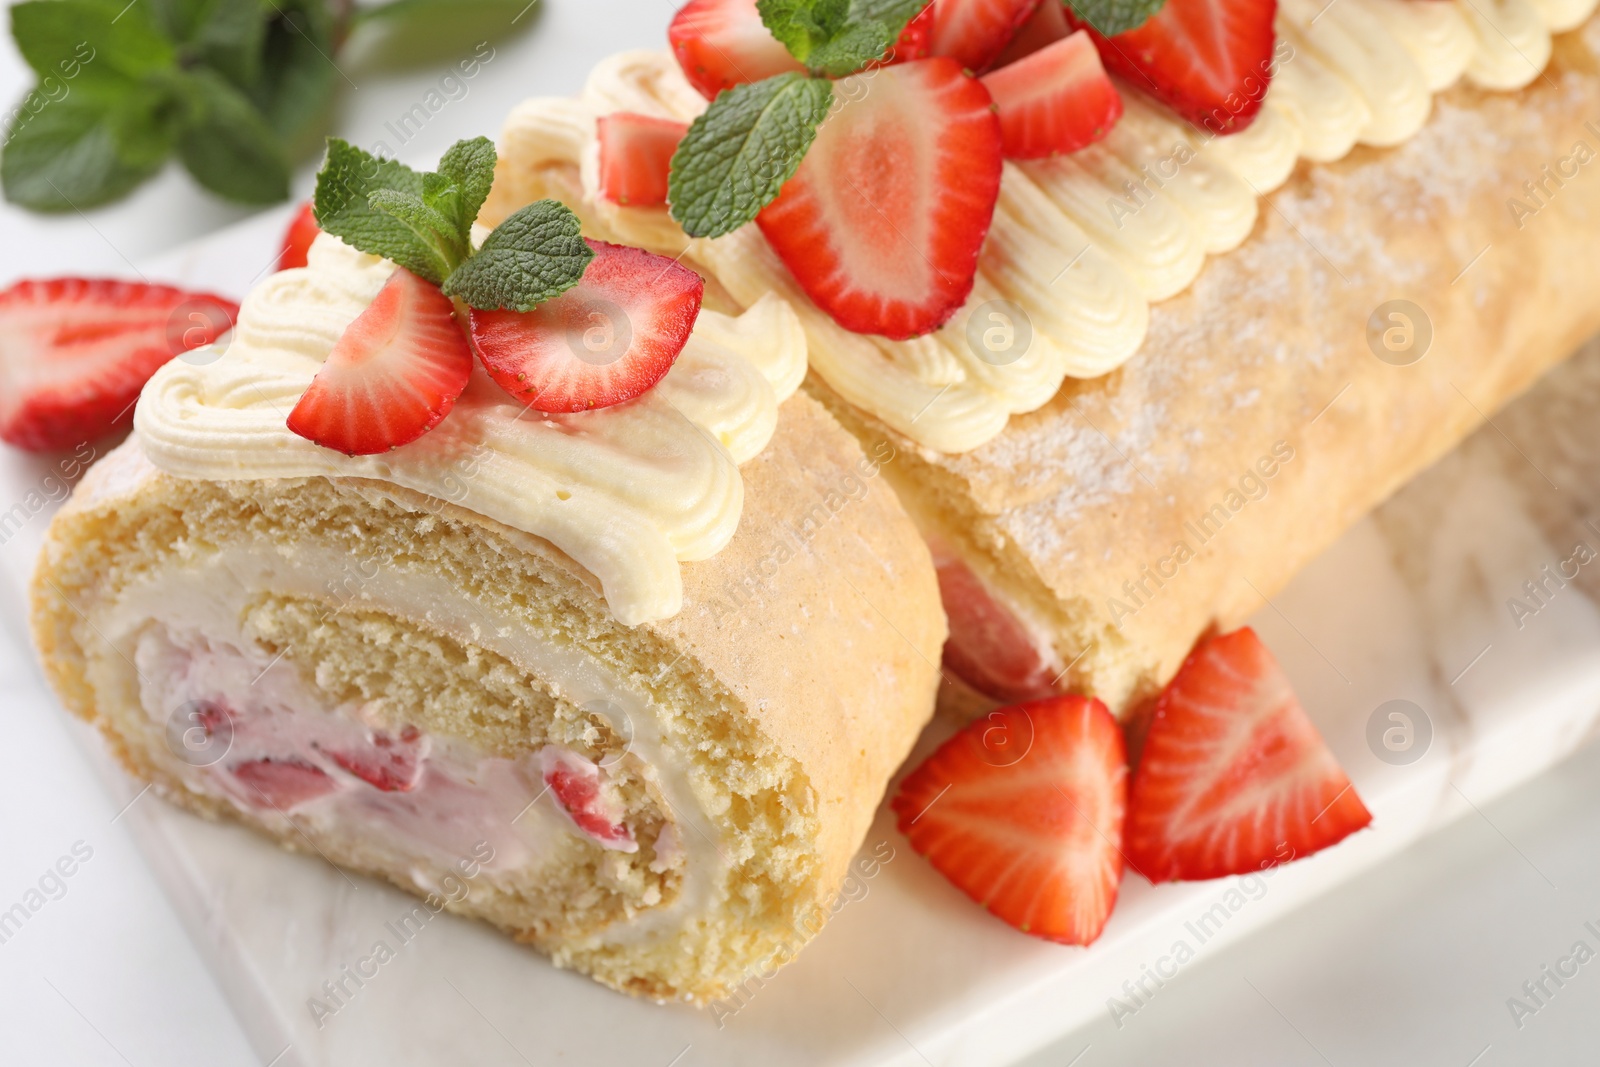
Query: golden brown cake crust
[{"x": 1268, "y": 350}]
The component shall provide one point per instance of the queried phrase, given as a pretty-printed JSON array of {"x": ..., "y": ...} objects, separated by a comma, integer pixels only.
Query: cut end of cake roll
[{"x": 420, "y": 694}]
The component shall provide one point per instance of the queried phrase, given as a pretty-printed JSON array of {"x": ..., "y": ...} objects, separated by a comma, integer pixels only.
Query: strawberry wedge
[
  {"x": 397, "y": 370},
  {"x": 606, "y": 340},
  {"x": 297, "y": 238},
  {"x": 1233, "y": 777},
  {"x": 1208, "y": 60},
  {"x": 1023, "y": 811},
  {"x": 1055, "y": 101},
  {"x": 882, "y": 224},
  {"x": 74, "y": 353},
  {"x": 975, "y": 32},
  {"x": 723, "y": 43},
  {"x": 636, "y": 157}
]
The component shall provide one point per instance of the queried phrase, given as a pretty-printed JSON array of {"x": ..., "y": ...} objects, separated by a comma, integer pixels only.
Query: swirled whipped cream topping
[
  {"x": 1080, "y": 245},
  {"x": 627, "y": 491}
]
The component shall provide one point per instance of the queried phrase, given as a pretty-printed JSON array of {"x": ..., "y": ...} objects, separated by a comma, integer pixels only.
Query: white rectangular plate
[{"x": 908, "y": 972}]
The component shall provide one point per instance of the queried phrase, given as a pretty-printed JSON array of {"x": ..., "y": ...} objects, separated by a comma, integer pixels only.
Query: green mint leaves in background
[
  {"x": 738, "y": 154},
  {"x": 423, "y": 222},
  {"x": 1111, "y": 17},
  {"x": 235, "y": 90}
]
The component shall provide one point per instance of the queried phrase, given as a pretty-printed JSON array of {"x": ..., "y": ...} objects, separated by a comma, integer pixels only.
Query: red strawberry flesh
[
  {"x": 636, "y": 157},
  {"x": 883, "y": 222},
  {"x": 387, "y": 762},
  {"x": 975, "y": 32},
  {"x": 1233, "y": 777},
  {"x": 283, "y": 783},
  {"x": 297, "y": 239},
  {"x": 723, "y": 43},
  {"x": 75, "y": 352},
  {"x": 396, "y": 371},
  {"x": 1023, "y": 811},
  {"x": 989, "y": 648},
  {"x": 606, "y": 340},
  {"x": 1055, "y": 101},
  {"x": 1209, "y": 60},
  {"x": 575, "y": 784}
]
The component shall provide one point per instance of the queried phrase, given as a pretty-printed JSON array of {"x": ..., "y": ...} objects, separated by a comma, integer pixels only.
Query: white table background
[{"x": 1411, "y": 964}]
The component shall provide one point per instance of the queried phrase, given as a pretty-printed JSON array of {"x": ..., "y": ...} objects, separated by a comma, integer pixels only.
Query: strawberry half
[
  {"x": 1047, "y": 25},
  {"x": 636, "y": 157},
  {"x": 723, "y": 43},
  {"x": 1054, "y": 101},
  {"x": 283, "y": 783},
  {"x": 989, "y": 648},
  {"x": 1208, "y": 60},
  {"x": 395, "y": 372},
  {"x": 298, "y": 237},
  {"x": 75, "y": 352},
  {"x": 607, "y": 339},
  {"x": 1233, "y": 777},
  {"x": 975, "y": 32},
  {"x": 915, "y": 41},
  {"x": 1023, "y": 811},
  {"x": 883, "y": 222}
]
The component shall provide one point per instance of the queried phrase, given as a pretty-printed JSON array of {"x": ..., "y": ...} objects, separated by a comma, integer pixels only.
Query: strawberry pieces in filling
[
  {"x": 989, "y": 648},
  {"x": 576, "y": 785}
]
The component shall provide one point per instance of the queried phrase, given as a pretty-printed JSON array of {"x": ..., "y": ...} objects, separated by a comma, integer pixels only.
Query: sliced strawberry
[
  {"x": 1047, "y": 25},
  {"x": 575, "y": 783},
  {"x": 283, "y": 783},
  {"x": 915, "y": 41},
  {"x": 636, "y": 157},
  {"x": 1023, "y": 811},
  {"x": 394, "y": 374},
  {"x": 1055, "y": 101},
  {"x": 1208, "y": 60},
  {"x": 883, "y": 222},
  {"x": 1233, "y": 777},
  {"x": 607, "y": 339},
  {"x": 297, "y": 239},
  {"x": 75, "y": 352},
  {"x": 989, "y": 648},
  {"x": 975, "y": 32},
  {"x": 723, "y": 43},
  {"x": 387, "y": 762}
]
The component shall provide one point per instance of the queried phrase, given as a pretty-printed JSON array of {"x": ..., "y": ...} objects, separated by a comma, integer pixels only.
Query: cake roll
[
  {"x": 644, "y": 671},
  {"x": 1212, "y": 354}
]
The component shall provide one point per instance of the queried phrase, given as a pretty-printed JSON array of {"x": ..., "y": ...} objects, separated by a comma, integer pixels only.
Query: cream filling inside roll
[
  {"x": 360, "y": 776},
  {"x": 1085, "y": 243},
  {"x": 628, "y": 491}
]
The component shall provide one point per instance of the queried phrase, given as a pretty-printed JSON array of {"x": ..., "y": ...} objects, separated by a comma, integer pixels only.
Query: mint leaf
[
  {"x": 838, "y": 37},
  {"x": 469, "y": 167},
  {"x": 532, "y": 256},
  {"x": 121, "y": 44},
  {"x": 437, "y": 233},
  {"x": 226, "y": 35},
  {"x": 297, "y": 67},
  {"x": 1111, "y": 17},
  {"x": 740, "y": 151},
  {"x": 228, "y": 146},
  {"x": 86, "y": 149},
  {"x": 343, "y": 207}
]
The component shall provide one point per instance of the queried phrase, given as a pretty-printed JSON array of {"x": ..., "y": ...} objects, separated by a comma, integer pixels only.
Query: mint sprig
[
  {"x": 423, "y": 221},
  {"x": 235, "y": 89},
  {"x": 1111, "y": 17},
  {"x": 736, "y": 157},
  {"x": 741, "y": 150}
]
